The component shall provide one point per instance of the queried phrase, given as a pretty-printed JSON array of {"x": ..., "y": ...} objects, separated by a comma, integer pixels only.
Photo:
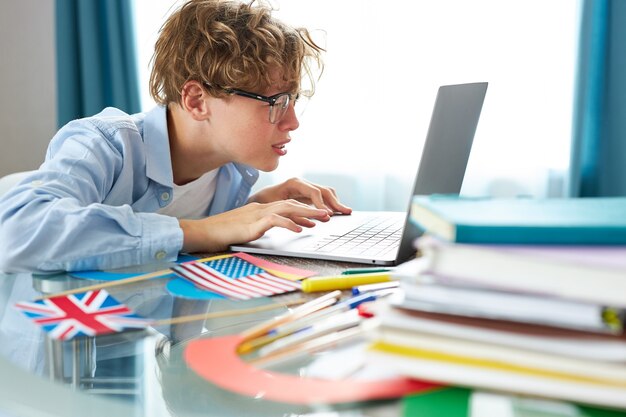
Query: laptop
[{"x": 385, "y": 237}]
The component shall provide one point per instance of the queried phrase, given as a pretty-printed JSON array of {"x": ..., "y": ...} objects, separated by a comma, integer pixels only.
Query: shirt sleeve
[{"x": 56, "y": 221}]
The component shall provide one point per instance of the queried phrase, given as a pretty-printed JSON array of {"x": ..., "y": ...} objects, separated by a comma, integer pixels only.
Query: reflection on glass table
[{"x": 140, "y": 369}]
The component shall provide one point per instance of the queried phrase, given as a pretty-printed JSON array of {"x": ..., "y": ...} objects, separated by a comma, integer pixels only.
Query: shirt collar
[{"x": 156, "y": 140}]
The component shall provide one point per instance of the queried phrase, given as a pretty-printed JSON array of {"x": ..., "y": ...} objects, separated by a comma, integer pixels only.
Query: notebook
[
  {"x": 522, "y": 221},
  {"x": 384, "y": 237}
]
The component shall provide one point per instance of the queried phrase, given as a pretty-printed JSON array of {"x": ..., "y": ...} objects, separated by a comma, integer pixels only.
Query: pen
[
  {"x": 342, "y": 282},
  {"x": 364, "y": 271},
  {"x": 269, "y": 334},
  {"x": 345, "y": 305},
  {"x": 375, "y": 287},
  {"x": 312, "y": 346},
  {"x": 306, "y": 308},
  {"x": 332, "y": 324}
]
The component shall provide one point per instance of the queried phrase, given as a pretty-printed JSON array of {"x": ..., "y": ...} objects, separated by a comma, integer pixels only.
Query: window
[{"x": 364, "y": 129}]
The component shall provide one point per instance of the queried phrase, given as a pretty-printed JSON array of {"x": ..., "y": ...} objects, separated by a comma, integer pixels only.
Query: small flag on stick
[
  {"x": 235, "y": 278},
  {"x": 91, "y": 313}
]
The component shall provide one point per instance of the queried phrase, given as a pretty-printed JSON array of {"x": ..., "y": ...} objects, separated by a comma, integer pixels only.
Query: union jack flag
[
  {"x": 90, "y": 313},
  {"x": 235, "y": 278}
]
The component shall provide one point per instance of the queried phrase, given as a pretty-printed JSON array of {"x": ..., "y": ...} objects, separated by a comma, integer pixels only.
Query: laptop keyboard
[{"x": 376, "y": 236}]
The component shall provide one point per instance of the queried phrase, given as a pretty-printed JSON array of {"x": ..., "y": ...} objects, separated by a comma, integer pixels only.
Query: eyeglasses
[{"x": 279, "y": 103}]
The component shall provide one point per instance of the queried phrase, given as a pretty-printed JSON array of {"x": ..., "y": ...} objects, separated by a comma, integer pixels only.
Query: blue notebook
[{"x": 568, "y": 221}]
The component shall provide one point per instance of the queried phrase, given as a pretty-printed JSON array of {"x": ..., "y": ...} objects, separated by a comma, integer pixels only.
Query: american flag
[
  {"x": 234, "y": 278},
  {"x": 90, "y": 313}
]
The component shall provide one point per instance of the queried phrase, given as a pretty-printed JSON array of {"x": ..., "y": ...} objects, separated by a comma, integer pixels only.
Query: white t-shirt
[{"x": 190, "y": 201}]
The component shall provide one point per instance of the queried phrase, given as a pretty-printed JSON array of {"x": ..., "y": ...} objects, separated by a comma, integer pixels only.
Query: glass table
[
  {"x": 139, "y": 372},
  {"x": 145, "y": 372}
]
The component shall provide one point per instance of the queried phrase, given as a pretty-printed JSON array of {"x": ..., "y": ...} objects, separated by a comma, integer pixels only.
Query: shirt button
[
  {"x": 165, "y": 196},
  {"x": 160, "y": 255},
  {"x": 36, "y": 183}
]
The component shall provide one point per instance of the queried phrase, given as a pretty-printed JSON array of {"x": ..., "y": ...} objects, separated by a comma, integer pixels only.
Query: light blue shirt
[{"x": 92, "y": 203}]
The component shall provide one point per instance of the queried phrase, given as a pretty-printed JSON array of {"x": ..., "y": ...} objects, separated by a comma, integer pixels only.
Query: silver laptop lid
[
  {"x": 449, "y": 139},
  {"x": 446, "y": 150}
]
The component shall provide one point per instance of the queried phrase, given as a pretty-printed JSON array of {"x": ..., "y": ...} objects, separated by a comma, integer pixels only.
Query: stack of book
[{"x": 517, "y": 295}]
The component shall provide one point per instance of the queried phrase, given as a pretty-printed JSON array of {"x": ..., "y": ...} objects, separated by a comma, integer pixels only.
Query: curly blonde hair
[{"x": 228, "y": 44}]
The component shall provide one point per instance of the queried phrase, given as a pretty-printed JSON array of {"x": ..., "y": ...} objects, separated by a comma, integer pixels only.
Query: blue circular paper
[{"x": 182, "y": 288}]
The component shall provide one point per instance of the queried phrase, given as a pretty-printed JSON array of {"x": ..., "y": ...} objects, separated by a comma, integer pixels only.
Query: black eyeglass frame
[{"x": 271, "y": 100}]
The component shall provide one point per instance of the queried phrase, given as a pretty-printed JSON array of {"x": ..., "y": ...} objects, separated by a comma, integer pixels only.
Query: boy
[{"x": 118, "y": 190}]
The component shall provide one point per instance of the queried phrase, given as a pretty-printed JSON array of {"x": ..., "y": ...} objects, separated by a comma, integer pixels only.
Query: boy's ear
[{"x": 193, "y": 100}]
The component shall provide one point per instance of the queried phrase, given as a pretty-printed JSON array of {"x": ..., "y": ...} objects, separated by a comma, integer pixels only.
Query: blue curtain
[
  {"x": 598, "y": 163},
  {"x": 96, "y": 60}
]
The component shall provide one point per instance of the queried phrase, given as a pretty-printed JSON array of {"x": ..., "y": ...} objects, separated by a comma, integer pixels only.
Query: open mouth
[{"x": 280, "y": 149}]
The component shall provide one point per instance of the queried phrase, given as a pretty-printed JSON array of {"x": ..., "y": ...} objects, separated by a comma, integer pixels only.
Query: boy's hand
[
  {"x": 305, "y": 192},
  {"x": 250, "y": 222}
]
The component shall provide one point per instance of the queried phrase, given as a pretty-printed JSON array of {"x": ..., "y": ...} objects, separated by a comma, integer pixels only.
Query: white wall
[{"x": 27, "y": 83}]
